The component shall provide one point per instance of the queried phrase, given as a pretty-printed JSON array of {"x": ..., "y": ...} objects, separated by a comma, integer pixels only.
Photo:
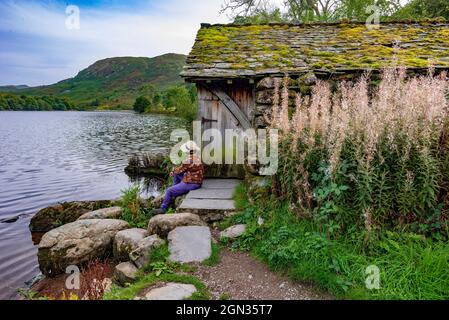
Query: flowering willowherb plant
[{"x": 374, "y": 152}]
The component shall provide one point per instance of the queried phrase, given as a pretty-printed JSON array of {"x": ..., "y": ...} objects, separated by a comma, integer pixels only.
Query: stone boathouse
[{"x": 234, "y": 66}]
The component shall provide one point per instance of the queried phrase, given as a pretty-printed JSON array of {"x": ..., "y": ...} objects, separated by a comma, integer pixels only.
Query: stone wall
[{"x": 265, "y": 89}]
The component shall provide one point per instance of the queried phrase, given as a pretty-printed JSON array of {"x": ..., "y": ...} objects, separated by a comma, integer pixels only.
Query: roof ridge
[{"x": 335, "y": 23}]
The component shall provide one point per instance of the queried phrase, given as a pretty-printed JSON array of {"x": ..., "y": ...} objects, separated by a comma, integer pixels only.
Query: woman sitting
[{"x": 187, "y": 177}]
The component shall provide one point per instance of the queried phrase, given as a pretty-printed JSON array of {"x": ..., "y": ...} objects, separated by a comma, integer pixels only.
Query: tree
[
  {"x": 182, "y": 101},
  {"x": 304, "y": 11},
  {"x": 262, "y": 16},
  {"x": 418, "y": 9},
  {"x": 141, "y": 104}
]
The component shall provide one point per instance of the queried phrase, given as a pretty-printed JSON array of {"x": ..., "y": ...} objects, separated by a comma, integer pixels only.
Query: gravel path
[{"x": 240, "y": 277}]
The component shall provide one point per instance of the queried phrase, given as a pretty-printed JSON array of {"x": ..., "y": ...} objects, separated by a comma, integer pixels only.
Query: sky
[{"x": 41, "y": 43}]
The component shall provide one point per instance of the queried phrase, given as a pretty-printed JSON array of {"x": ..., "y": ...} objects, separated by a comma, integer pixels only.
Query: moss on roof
[{"x": 227, "y": 51}]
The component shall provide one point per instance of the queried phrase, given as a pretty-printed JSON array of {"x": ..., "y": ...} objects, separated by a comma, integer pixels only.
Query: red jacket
[{"x": 193, "y": 170}]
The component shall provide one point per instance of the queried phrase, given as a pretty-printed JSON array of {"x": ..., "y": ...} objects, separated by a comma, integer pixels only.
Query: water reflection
[
  {"x": 51, "y": 157},
  {"x": 150, "y": 186}
]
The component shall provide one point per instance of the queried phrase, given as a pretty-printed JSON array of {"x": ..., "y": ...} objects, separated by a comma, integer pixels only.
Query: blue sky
[{"x": 37, "y": 48}]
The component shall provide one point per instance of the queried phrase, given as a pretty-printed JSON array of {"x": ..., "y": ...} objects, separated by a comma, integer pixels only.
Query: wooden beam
[{"x": 231, "y": 106}]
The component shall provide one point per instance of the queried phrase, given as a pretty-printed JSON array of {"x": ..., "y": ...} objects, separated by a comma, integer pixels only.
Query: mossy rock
[{"x": 60, "y": 214}]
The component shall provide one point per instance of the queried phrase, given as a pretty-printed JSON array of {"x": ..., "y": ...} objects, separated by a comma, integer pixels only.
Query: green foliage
[
  {"x": 113, "y": 83},
  {"x": 310, "y": 10},
  {"x": 261, "y": 17},
  {"x": 141, "y": 104},
  {"x": 419, "y": 9},
  {"x": 412, "y": 266},
  {"x": 179, "y": 100},
  {"x": 33, "y": 103},
  {"x": 129, "y": 293},
  {"x": 133, "y": 211},
  {"x": 160, "y": 254},
  {"x": 214, "y": 258},
  {"x": 159, "y": 262}
]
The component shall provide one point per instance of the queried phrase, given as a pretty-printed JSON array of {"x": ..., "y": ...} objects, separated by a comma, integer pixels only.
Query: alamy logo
[
  {"x": 72, "y": 22},
  {"x": 373, "y": 21},
  {"x": 73, "y": 280},
  {"x": 372, "y": 280}
]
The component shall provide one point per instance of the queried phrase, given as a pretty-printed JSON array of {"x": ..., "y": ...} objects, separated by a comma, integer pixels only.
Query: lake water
[{"x": 51, "y": 157}]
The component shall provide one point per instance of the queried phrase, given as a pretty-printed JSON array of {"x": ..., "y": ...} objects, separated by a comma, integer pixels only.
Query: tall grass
[{"x": 367, "y": 158}]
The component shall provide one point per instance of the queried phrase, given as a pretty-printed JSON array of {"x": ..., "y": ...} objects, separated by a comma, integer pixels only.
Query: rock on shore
[
  {"x": 106, "y": 213},
  {"x": 77, "y": 243},
  {"x": 164, "y": 223},
  {"x": 63, "y": 213},
  {"x": 127, "y": 241}
]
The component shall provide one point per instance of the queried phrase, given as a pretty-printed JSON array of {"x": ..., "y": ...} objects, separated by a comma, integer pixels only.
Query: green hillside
[{"x": 115, "y": 82}]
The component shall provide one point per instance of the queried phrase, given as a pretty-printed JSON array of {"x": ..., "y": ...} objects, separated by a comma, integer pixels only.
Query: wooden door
[{"x": 222, "y": 107}]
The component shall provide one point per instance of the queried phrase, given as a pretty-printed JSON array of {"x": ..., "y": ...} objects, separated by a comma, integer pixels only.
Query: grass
[
  {"x": 160, "y": 270},
  {"x": 129, "y": 293},
  {"x": 239, "y": 196},
  {"x": 214, "y": 258},
  {"x": 412, "y": 267}
]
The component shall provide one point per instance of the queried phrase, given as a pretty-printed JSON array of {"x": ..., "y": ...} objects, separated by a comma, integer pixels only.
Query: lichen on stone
[{"x": 252, "y": 50}]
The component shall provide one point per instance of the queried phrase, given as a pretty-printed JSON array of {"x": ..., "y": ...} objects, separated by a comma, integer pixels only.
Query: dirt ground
[{"x": 239, "y": 276}]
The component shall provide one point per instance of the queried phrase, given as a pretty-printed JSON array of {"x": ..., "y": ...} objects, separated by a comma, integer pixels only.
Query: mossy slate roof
[{"x": 232, "y": 51}]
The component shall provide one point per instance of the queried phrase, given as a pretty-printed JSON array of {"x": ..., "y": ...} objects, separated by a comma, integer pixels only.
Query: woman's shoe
[{"x": 158, "y": 211}]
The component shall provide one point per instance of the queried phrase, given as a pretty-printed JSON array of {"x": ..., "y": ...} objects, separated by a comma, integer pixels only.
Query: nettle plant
[{"x": 362, "y": 157}]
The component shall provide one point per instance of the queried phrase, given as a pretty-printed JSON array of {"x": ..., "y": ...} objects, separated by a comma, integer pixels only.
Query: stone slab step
[
  {"x": 220, "y": 183},
  {"x": 207, "y": 204},
  {"x": 223, "y": 194}
]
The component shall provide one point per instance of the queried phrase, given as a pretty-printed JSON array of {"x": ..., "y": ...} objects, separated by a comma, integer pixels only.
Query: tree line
[
  {"x": 34, "y": 103},
  {"x": 179, "y": 100},
  {"x": 304, "y": 11}
]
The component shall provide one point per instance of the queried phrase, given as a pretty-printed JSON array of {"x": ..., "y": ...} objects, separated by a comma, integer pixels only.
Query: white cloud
[{"x": 169, "y": 26}]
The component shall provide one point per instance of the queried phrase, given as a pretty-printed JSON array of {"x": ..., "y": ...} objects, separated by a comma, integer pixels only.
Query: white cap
[{"x": 189, "y": 146}]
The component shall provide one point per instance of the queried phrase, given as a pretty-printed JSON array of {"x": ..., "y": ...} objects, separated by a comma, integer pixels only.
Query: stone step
[
  {"x": 220, "y": 183},
  {"x": 207, "y": 204},
  {"x": 213, "y": 201},
  {"x": 224, "y": 194}
]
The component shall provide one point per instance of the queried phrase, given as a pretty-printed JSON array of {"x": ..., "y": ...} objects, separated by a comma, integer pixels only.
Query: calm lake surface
[{"x": 51, "y": 157}]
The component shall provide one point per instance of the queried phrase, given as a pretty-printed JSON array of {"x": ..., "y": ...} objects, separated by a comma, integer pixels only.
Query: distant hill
[
  {"x": 13, "y": 88},
  {"x": 113, "y": 82}
]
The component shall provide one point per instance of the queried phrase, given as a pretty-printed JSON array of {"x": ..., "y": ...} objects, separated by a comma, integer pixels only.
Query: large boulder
[
  {"x": 233, "y": 232},
  {"x": 141, "y": 255},
  {"x": 164, "y": 223},
  {"x": 63, "y": 213},
  {"x": 171, "y": 291},
  {"x": 77, "y": 243},
  {"x": 125, "y": 273},
  {"x": 190, "y": 244},
  {"x": 106, "y": 213},
  {"x": 127, "y": 241}
]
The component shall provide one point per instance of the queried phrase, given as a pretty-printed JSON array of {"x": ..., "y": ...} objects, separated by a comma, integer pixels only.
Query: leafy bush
[
  {"x": 133, "y": 210},
  {"x": 141, "y": 104}
]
